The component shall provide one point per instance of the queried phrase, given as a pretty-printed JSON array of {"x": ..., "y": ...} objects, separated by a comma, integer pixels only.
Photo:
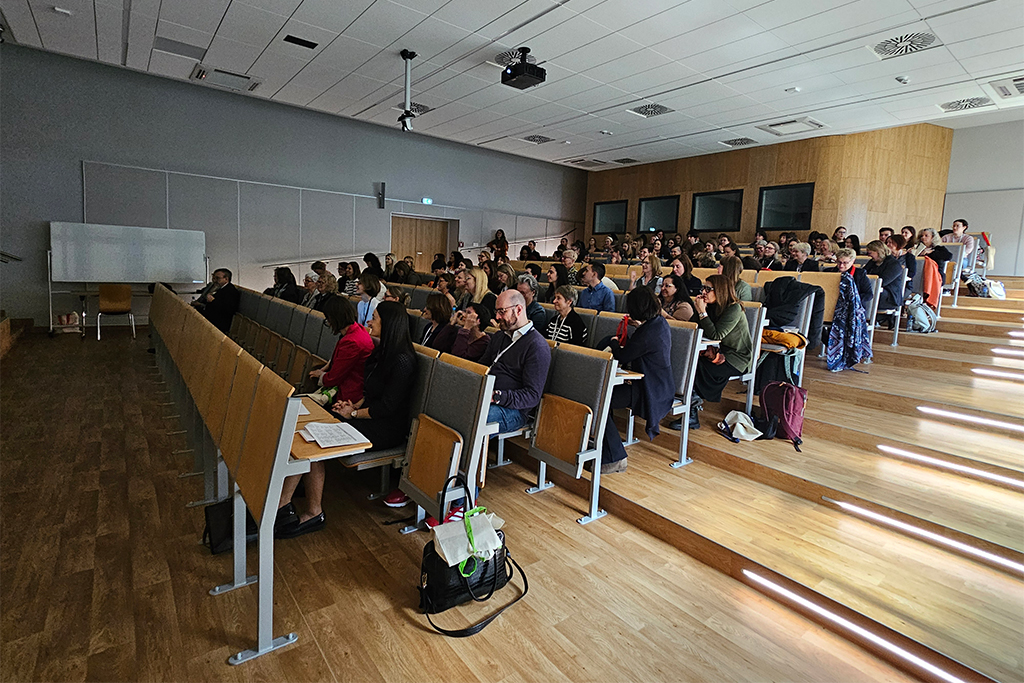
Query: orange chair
[{"x": 115, "y": 300}]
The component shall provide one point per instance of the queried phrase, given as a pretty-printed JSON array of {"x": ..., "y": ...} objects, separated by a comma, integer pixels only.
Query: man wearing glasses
[{"x": 518, "y": 358}]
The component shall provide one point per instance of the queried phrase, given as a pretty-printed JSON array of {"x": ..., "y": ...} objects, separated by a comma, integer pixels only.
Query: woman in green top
[
  {"x": 721, "y": 317},
  {"x": 732, "y": 268}
]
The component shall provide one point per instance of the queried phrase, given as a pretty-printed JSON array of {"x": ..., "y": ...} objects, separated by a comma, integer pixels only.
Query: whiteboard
[{"x": 86, "y": 252}]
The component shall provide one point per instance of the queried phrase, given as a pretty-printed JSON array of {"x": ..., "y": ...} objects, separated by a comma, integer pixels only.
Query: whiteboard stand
[{"x": 49, "y": 287}]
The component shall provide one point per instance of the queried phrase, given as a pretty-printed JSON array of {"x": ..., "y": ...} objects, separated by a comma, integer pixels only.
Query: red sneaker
[
  {"x": 396, "y": 499},
  {"x": 431, "y": 522}
]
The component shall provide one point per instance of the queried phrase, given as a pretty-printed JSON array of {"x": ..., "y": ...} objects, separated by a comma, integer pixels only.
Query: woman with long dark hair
[
  {"x": 676, "y": 303},
  {"x": 373, "y": 265},
  {"x": 498, "y": 245},
  {"x": 853, "y": 242},
  {"x": 558, "y": 276},
  {"x": 285, "y": 286}
]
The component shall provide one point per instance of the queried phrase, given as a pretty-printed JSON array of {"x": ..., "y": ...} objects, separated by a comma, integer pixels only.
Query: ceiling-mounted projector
[{"x": 522, "y": 74}]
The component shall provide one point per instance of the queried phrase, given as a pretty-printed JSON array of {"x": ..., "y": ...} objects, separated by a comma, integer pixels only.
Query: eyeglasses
[
  {"x": 706, "y": 288},
  {"x": 499, "y": 311}
]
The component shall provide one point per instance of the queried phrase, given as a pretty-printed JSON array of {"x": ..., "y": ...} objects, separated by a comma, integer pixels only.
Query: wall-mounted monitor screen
[
  {"x": 658, "y": 213},
  {"x": 716, "y": 211},
  {"x": 610, "y": 217},
  {"x": 785, "y": 207}
]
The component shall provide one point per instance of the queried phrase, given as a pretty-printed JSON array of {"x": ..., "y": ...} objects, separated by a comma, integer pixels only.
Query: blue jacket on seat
[{"x": 648, "y": 350}]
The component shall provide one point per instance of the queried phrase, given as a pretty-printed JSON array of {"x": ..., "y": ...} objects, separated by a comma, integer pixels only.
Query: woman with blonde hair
[
  {"x": 890, "y": 272},
  {"x": 649, "y": 276},
  {"x": 476, "y": 287},
  {"x": 504, "y": 278},
  {"x": 732, "y": 268}
]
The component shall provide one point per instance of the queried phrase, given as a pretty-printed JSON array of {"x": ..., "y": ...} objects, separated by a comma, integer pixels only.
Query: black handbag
[
  {"x": 219, "y": 534},
  {"x": 442, "y": 587}
]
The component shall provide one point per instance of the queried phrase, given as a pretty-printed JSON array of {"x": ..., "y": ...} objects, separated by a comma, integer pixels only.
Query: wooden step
[
  {"x": 932, "y": 360},
  {"x": 988, "y": 313},
  {"x": 1007, "y": 304},
  {"x": 970, "y": 344},
  {"x": 984, "y": 328}
]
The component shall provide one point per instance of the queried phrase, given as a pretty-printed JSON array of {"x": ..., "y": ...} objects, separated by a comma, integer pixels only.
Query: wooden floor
[{"x": 102, "y": 577}]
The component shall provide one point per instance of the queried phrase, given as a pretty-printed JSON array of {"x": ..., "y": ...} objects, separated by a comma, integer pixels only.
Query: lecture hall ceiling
[{"x": 723, "y": 67}]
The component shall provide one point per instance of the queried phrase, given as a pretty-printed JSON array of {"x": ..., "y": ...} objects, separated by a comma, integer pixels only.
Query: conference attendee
[
  {"x": 933, "y": 249},
  {"x": 534, "y": 254},
  {"x": 853, "y": 242},
  {"x": 960, "y": 235},
  {"x": 884, "y": 233},
  {"x": 437, "y": 312},
  {"x": 683, "y": 267},
  {"x": 596, "y": 295},
  {"x": 504, "y": 278},
  {"x": 528, "y": 287},
  {"x": 827, "y": 252},
  {"x": 342, "y": 276},
  {"x": 649, "y": 275},
  {"x": 839, "y": 235},
  {"x": 720, "y": 316},
  {"x": 389, "y": 266},
  {"x": 897, "y": 245},
  {"x": 437, "y": 268},
  {"x": 218, "y": 301},
  {"x": 322, "y": 295},
  {"x": 320, "y": 268},
  {"x": 566, "y": 327},
  {"x": 369, "y": 288},
  {"x": 846, "y": 260},
  {"x": 345, "y": 374},
  {"x": 675, "y": 300},
  {"x": 352, "y": 273},
  {"x": 396, "y": 294},
  {"x": 498, "y": 245},
  {"x": 476, "y": 288},
  {"x": 557, "y": 276},
  {"x": 646, "y": 351},
  {"x": 770, "y": 261},
  {"x": 411, "y": 262},
  {"x": 284, "y": 286},
  {"x": 445, "y": 284},
  {"x": 470, "y": 341},
  {"x": 372, "y": 265},
  {"x": 482, "y": 257},
  {"x": 890, "y": 272},
  {"x": 535, "y": 270},
  {"x": 524, "y": 253},
  {"x": 311, "y": 292},
  {"x": 518, "y": 357},
  {"x": 910, "y": 235},
  {"x": 800, "y": 258},
  {"x": 730, "y": 248},
  {"x": 732, "y": 268},
  {"x": 489, "y": 269},
  {"x": 759, "y": 236},
  {"x": 572, "y": 269}
]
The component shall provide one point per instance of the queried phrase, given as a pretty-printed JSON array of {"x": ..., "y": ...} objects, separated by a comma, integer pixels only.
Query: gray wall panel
[
  {"x": 125, "y": 196},
  {"x": 211, "y": 206},
  {"x": 373, "y": 226},
  {"x": 269, "y": 217},
  {"x": 327, "y": 223},
  {"x": 529, "y": 228}
]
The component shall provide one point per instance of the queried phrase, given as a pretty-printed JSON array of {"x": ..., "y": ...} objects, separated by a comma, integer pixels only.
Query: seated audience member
[
  {"x": 311, "y": 293},
  {"x": 218, "y": 301},
  {"x": 884, "y": 233},
  {"x": 437, "y": 312},
  {"x": 675, "y": 300},
  {"x": 933, "y": 249},
  {"x": 535, "y": 270},
  {"x": 476, "y": 289},
  {"x": 960, "y": 235},
  {"x": 647, "y": 351},
  {"x": 750, "y": 263},
  {"x": 490, "y": 269},
  {"x": 615, "y": 257},
  {"x": 352, "y": 273},
  {"x": 397, "y": 295},
  {"x": 438, "y": 268},
  {"x": 720, "y": 316},
  {"x": 897, "y": 245},
  {"x": 557, "y": 277},
  {"x": 284, "y": 286},
  {"x": 800, "y": 258},
  {"x": 482, "y": 258},
  {"x": 683, "y": 267},
  {"x": 528, "y": 287},
  {"x": 853, "y": 242},
  {"x": 888, "y": 269},
  {"x": 411, "y": 262},
  {"x": 389, "y": 266},
  {"x": 323, "y": 296},
  {"x": 445, "y": 284},
  {"x": 649, "y": 275},
  {"x": 910, "y": 235},
  {"x": 846, "y": 262},
  {"x": 345, "y": 373},
  {"x": 464, "y": 336},
  {"x": 454, "y": 260},
  {"x": 759, "y": 236},
  {"x": 597, "y": 295},
  {"x": 342, "y": 276},
  {"x": 732, "y": 268},
  {"x": 402, "y": 274},
  {"x": 769, "y": 260},
  {"x": 839, "y": 235},
  {"x": 524, "y": 253},
  {"x": 320, "y": 268},
  {"x": 572, "y": 268},
  {"x": 369, "y": 288},
  {"x": 372, "y": 265},
  {"x": 518, "y": 358},
  {"x": 567, "y": 326},
  {"x": 730, "y": 248},
  {"x": 504, "y": 279},
  {"x": 827, "y": 252}
]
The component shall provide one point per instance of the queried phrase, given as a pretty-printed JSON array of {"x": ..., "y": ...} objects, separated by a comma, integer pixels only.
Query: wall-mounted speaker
[{"x": 380, "y": 197}]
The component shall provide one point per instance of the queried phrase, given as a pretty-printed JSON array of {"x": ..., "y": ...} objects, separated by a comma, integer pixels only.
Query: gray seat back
[
  {"x": 297, "y": 325},
  {"x": 620, "y": 301},
  {"x": 262, "y": 306},
  {"x": 605, "y": 325},
  {"x": 248, "y": 302},
  {"x": 328, "y": 340},
  {"x": 459, "y": 397},
  {"x": 312, "y": 331},
  {"x": 582, "y": 376},
  {"x": 419, "y": 297},
  {"x": 757, "y": 294},
  {"x": 686, "y": 339},
  {"x": 416, "y": 325}
]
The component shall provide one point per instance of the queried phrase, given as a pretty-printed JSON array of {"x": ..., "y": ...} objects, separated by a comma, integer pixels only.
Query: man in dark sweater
[
  {"x": 518, "y": 358},
  {"x": 219, "y": 300}
]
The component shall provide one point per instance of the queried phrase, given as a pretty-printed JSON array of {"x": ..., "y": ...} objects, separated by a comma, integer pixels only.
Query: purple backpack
[{"x": 785, "y": 401}]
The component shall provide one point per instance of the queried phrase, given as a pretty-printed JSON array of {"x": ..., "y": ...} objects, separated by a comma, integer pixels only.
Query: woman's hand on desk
[{"x": 344, "y": 408}]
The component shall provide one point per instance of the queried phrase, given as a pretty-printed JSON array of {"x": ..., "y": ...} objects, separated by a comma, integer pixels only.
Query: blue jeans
[{"x": 508, "y": 419}]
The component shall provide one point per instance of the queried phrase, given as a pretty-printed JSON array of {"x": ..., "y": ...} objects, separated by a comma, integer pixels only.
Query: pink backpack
[{"x": 785, "y": 401}]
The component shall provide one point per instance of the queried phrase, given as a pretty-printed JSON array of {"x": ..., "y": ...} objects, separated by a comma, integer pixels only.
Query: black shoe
[
  {"x": 285, "y": 516},
  {"x": 676, "y": 425},
  {"x": 150, "y": 350},
  {"x": 694, "y": 420},
  {"x": 298, "y": 528}
]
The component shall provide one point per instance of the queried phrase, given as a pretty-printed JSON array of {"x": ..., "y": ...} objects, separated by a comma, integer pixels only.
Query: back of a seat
[
  {"x": 589, "y": 317},
  {"x": 829, "y": 282},
  {"x": 328, "y": 340},
  {"x": 426, "y": 359},
  {"x": 757, "y": 294},
  {"x": 917, "y": 283},
  {"x": 269, "y": 356},
  {"x": 299, "y": 367},
  {"x": 267, "y": 433},
  {"x": 605, "y": 325},
  {"x": 313, "y": 330},
  {"x": 871, "y": 307},
  {"x": 158, "y": 307},
  {"x": 417, "y": 324},
  {"x": 212, "y": 397},
  {"x": 764, "y": 276},
  {"x": 622, "y": 283},
  {"x": 704, "y": 273},
  {"x": 206, "y": 348},
  {"x": 549, "y": 313},
  {"x": 248, "y": 301},
  {"x": 458, "y": 396},
  {"x": 563, "y": 427},
  {"x": 620, "y": 301},
  {"x": 281, "y": 316},
  {"x": 686, "y": 338},
  {"x": 582, "y": 375},
  {"x": 435, "y": 456},
  {"x": 236, "y": 416},
  {"x": 297, "y": 325},
  {"x": 755, "y": 314},
  {"x": 418, "y": 297},
  {"x": 262, "y": 308},
  {"x": 283, "y": 360},
  {"x": 171, "y": 334},
  {"x": 115, "y": 299},
  {"x": 749, "y": 276}
]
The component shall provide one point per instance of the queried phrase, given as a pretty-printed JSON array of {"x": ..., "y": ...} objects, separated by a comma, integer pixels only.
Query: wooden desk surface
[
  {"x": 309, "y": 450},
  {"x": 317, "y": 413}
]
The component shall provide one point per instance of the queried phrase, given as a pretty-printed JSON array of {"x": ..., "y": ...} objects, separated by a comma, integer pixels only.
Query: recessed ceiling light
[
  {"x": 61, "y": 10},
  {"x": 607, "y": 132},
  {"x": 794, "y": 89}
]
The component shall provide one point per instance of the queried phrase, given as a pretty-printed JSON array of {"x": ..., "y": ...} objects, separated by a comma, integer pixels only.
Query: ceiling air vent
[
  {"x": 537, "y": 139},
  {"x": 804, "y": 124},
  {"x": 1009, "y": 87},
  {"x": 626, "y": 160},
  {"x": 224, "y": 79},
  {"x": 301, "y": 42},
  {"x": 649, "y": 110},
  {"x": 512, "y": 57},
  {"x": 969, "y": 103},
  {"x": 738, "y": 142},
  {"x": 904, "y": 45},
  {"x": 416, "y": 108},
  {"x": 587, "y": 163}
]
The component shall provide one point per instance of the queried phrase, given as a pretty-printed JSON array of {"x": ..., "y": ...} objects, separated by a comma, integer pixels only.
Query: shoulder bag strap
[{"x": 479, "y": 626}]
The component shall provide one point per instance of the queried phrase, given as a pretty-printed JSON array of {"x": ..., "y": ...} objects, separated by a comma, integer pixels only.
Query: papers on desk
[
  {"x": 332, "y": 435},
  {"x": 303, "y": 410}
]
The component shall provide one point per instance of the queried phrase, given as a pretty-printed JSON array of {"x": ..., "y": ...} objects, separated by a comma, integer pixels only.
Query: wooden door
[{"x": 420, "y": 238}]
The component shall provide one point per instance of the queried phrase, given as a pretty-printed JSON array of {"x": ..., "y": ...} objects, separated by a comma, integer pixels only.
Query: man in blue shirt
[{"x": 597, "y": 295}]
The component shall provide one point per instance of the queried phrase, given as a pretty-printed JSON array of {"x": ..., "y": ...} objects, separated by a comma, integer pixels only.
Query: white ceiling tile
[
  {"x": 506, "y": 144},
  {"x": 21, "y": 23},
  {"x": 275, "y": 69},
  {"x": 179, "y": 33},
  {"x": 597, "y": 98},
  {"x": 563, "y": 38},
  {"x": 202, "y": 15},
  {"x": 72, "y": 35},
  {"x": 150, "y": 8},
  {"x": 456, "y": 87},
  {"x": 507, "y": 125},
  {"x": 387, "y": 65},
  {"x": 615, "y": 15},
  {"x": 282, "y": 7},
  {"x": 978, "y": 21},
  {"x": 425, "y": 6},
  {"x": 753, "y": 112},
  {"x": 230, "y": 55},
  {"x": 557, "y": 89},
  {"x": 431, "y": 37},
  {"x": 626, "y": 65},
  {"x": 330, "y": 14},
  {"x": 473, "y": 119},
  {"x": 1004, "y": 61},
  {"x": 759, "y": 49},
  {"x": 318, "y": 77},
  {"x": 293, "y": 93},
  {"x": 890, "y": 68},
  {"x": 334, "y": 100},
  {"x": 549, "y": 112},
  {"x": 488, "y": 96},
  {"x": 671, "y": 76},
  {"x": 141, "y": 32},
  {"x": 587, "y": 125},
  {"x": 718, "y": 34},
  {"x": 345, "y": 53},
  {"x": 109, "y": 21},
  {"x": 689, "y": 17},
  {"x": 848, "y": 22},
  {"x": 776, "y": 92},
  {"x": 519, "y": 103},
  {"x": 171, "y": 65},
  {"x": 706, "y": 92},
  {"x": 601, "y": 51},
  {"x": 1004, "y": 40},
  {"x": 472, "y": 15},
  {"x": 384, "y": 23},
  {"x": 249, "y": 25},
  {"x": 356, "y": 87},
  {"x": 781, "y": 12},
  {"x": 321, "y": 36}
]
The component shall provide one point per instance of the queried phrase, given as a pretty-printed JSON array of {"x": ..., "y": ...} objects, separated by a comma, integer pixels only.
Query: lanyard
[{"x": 526, "y": 328}]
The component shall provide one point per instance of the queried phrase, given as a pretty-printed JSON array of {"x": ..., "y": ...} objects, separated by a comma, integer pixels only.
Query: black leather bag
[{"x": 218, "y": 535}]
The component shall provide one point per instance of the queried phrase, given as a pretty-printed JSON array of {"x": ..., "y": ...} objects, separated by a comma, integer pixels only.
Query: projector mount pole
[{"x": 407, "y": 116}]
